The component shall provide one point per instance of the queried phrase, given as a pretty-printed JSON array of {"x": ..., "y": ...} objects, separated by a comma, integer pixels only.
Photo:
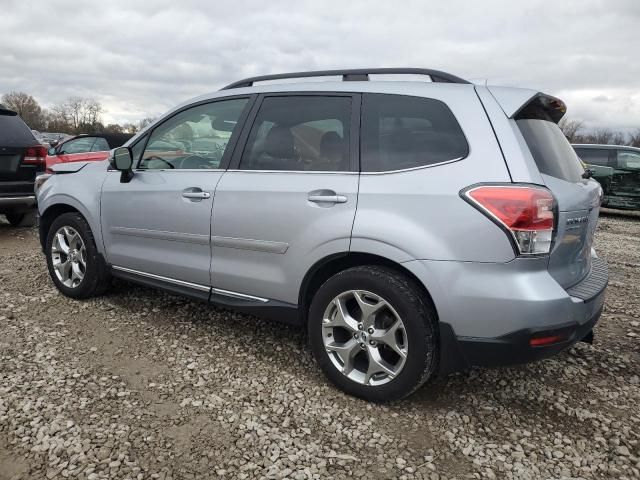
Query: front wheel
[
  {"x": 75, "y": 266},
  {"x": 374, "y": 333}
]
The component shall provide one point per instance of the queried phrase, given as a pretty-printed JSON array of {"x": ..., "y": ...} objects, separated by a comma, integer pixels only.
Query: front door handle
[
  {"x": 327, "y": 198},
  {"x": 195, "y": 193}
]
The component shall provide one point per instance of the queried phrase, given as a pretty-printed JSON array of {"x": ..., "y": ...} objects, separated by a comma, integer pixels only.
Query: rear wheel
[
  {"x": 21, "y": 219},
  {"x": 373, "y": 333},
  {"x": 75, "y": 266}
]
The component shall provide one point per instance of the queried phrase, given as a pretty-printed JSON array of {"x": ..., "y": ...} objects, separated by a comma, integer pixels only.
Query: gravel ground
[{"x": 139, "y": 384}]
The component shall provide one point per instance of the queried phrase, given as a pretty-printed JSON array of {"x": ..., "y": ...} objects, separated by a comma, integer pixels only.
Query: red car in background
[{"x": 85, "y": 147}]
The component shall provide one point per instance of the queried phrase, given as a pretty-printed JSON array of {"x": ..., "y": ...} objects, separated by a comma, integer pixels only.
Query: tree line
[
  {"x": 575, "y": 132},
  {"x": 83, "y": 115},
  {"x": 74, "y": 115}
]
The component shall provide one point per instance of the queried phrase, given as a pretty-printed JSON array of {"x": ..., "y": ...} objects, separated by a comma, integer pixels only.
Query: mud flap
[{"x": 588, "y": 338}]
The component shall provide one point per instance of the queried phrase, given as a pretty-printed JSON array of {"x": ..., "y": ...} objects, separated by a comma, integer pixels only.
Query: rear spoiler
[{"x": 520, "y": 103}]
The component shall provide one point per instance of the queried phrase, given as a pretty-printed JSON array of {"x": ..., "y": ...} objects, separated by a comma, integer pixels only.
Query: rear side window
[
  {"x": 594, "y": 156},
  {"x": 400, "y": 132},
  {"x": 300, "y": 133}
]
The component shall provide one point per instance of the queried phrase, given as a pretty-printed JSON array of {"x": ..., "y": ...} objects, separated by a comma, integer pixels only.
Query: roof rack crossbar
[{"x": 358, "y": 74}]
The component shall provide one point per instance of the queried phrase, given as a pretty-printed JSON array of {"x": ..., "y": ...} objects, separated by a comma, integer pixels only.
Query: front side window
[
  {"x": 79, "y": 145},
  {"x": 300, "y": 133},
  {"x": 400, "y": 132},
  {"x": 628, "y": 160},
  {"x": 193, "y": 139},
  {"x": 594, "y": 156}
]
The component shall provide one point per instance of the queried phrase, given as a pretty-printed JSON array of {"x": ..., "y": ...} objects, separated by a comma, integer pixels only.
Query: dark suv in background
[
  {"x": 22, "y": 157},
  {"x": 617, "y": 168}
]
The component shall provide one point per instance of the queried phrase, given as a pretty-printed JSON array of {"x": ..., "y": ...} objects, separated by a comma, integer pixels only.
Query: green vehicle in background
[{"x": 617, "y": 168}]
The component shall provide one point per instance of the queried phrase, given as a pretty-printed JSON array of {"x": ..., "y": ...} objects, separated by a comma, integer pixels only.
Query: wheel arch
[
  {"x": 49, "y": 215},
  {"x": 328, "y": 266}
]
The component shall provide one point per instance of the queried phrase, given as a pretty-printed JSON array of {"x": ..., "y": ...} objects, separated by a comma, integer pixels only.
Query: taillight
[
  {"x": 525, "y": 212},
  {"x": 35, "y": 155}
]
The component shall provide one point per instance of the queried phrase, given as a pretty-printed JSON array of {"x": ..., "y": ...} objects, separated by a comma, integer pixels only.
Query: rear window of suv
[
  {"x": 14, "y": 132},
  {"x": 550, "y": 149},
  {"x": 401, "y": 132}
]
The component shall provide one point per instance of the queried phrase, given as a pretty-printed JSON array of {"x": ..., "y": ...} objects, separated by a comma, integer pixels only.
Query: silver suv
[{"x": 412, "y": 227}]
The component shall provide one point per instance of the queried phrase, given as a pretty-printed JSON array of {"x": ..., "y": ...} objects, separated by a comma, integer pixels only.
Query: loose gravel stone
[{"x": 139, "y": 384}]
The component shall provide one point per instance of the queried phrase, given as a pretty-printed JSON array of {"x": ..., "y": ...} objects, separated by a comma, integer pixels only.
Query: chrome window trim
[
  {"x": 421, "y": 167},
  {"x": 199, "y": 170},
  {"x": 332, "y": 172},
  {"x": 345, "y": 172}
]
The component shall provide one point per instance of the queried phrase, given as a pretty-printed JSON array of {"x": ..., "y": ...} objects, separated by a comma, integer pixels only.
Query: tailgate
[{"x": 578, "y": 199}]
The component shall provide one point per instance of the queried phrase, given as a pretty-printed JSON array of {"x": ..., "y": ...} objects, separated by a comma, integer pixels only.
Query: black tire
[
  {"x": 413, "y": 307},
  {"x": 25, "y": 219},
  {"x": 96, "y": 278},
  {"x": 19, "y": 219}
]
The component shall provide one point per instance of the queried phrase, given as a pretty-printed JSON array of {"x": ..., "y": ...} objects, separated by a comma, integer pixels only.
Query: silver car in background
[{"x": 413, "y": 228}]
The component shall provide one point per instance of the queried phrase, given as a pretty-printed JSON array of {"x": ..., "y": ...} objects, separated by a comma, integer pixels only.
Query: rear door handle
[
  {"x": 327, "y": 198},
  {"x": 195, "y": 193}
]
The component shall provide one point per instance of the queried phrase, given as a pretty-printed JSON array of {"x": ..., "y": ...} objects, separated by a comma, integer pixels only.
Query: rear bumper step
[{"x": 594, "y": 283}]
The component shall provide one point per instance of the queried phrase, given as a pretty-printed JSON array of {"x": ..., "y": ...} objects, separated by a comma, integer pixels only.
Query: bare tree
[
  {"x": 601, "y": 135},
  {"x": 145, "y": 122},
  {"x": 130, "y": 128},
  {"x": 27, "y": 107},
  {"x": 634, "y": 138},
  {"x": 570, "y": 128},
  {"x": 79, "y": 114},
  {"x": 618, "y": 138},
  {"x": 113, "y": 128}
]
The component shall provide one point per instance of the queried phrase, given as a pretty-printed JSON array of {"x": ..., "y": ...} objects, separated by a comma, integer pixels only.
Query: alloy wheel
[
  {"x": 364, "y": 337},
  {"x": 69, "y": 257}
]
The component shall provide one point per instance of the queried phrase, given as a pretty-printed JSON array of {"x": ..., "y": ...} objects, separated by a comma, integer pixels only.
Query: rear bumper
[
  {"x": 490, "y": 312},
  {"x": 513, "y": 348},
  {"x": 17, "y": 203}
]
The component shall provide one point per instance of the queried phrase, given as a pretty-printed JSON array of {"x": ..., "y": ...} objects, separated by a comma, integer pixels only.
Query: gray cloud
[{"x": 142, "y": 57}]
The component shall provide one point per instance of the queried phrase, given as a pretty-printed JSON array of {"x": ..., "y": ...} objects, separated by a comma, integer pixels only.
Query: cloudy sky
[{"x": 140, "y": 57}]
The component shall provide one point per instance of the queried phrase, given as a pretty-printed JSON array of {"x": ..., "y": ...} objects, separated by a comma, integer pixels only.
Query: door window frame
[
  {"x": 229, "y": 149},
  {"x": 354, "y": 131}
]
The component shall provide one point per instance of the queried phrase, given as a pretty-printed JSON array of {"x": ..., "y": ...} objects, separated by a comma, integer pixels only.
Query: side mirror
[{"x": 123, "y": 161}]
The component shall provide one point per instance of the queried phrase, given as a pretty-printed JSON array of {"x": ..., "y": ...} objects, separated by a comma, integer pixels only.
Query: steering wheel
[
  {"x": 197, "y": 160},
  {"x": 160, "y": 159}
]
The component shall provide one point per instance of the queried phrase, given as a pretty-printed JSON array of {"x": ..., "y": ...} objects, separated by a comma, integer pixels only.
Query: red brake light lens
[
  {"x": 35, "y": 155},
  {"x": 542, "y": 341},
  {"x": 525, "y": 211}
]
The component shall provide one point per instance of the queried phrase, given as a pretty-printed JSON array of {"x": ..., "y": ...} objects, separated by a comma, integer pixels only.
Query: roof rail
[{"x": 358, "y": 74}]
